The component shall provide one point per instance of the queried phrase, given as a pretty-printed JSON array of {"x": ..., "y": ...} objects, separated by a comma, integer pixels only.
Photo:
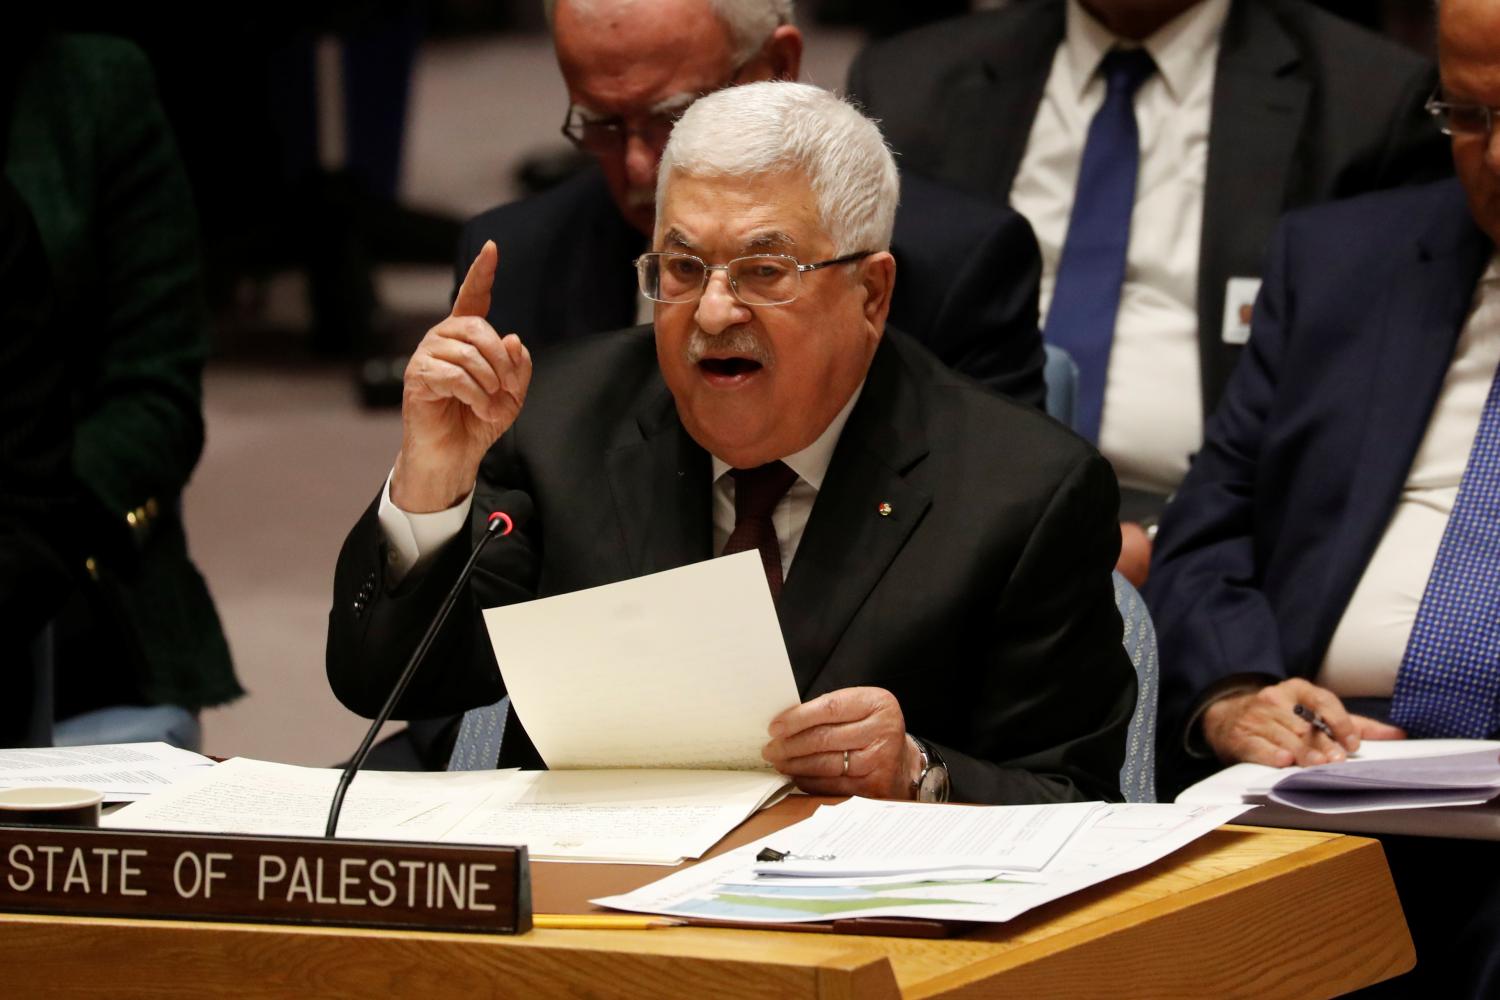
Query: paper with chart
[
  {"x": 680, "y": 669},
  {"x": 123, "y": 772},
  {"x": 636, "y": 817},
  {"x": 1108, "y": 840}
]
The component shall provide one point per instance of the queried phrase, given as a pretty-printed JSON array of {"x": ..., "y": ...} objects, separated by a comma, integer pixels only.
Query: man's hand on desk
[
  {"x": 464, "y": 387},
  {"x": 1262, "y": 727},
  {"x": 809, "y": 741}
]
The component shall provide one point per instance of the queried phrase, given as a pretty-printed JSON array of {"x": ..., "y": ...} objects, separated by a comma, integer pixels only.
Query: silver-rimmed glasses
[{"x": 761, "y": 280}]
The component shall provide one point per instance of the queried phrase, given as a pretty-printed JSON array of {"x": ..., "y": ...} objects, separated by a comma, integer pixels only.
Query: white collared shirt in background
[
  {"x": 1153, "y": 418},
  {"x": 1370, "y": 641}
]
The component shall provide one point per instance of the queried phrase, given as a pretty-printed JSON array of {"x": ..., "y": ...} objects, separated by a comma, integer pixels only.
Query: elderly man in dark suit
[
  {"x": 942, "y": 554},
  {"x": 1336, "y": 545},
  {"x": 1152, "y": 146},
  {"x": 969, "y": 268}
]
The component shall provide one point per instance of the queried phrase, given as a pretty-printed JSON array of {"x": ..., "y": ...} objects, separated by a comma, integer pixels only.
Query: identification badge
[{"x": 1239, "y": 303}]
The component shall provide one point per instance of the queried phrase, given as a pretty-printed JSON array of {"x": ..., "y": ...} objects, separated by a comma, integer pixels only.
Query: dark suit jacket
[
  {"x": 1306, "y": 108},
  {"x": 966, "y": 275},
  {"x": 983, "y": 602},
  {"x": 1304, "y": 461},
  {"x": 91, "y": 153},
  {"x": 35, "y": 436}
]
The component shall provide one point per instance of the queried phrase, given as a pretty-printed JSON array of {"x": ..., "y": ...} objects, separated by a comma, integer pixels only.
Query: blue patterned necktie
[
  {"x": 1449, "y": 681},
  {"x": 1086, "y": 296}
]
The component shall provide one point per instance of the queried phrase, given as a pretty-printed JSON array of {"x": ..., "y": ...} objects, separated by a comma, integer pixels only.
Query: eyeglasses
[
  {"x": 1462, "y": 119},
  {"x": 606, "y": 136},
  {"x": 762, "y": 280}
]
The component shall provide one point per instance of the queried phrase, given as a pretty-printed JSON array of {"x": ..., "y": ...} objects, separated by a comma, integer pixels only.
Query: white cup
[{"x": 47, "y": 805}]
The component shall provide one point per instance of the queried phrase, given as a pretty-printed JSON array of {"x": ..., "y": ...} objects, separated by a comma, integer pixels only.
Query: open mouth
[{"x": 728, "y": 367}]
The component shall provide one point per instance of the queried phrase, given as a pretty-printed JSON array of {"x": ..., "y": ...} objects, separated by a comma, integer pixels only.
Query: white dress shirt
[
  {"x": 413, "y": 538},
  {"x": 1153, "y": 416},
  {"x": 1370, "y": 641}
]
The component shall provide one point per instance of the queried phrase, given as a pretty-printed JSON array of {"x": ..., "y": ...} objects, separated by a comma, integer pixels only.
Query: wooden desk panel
[{"x": 1242, "y": 912}]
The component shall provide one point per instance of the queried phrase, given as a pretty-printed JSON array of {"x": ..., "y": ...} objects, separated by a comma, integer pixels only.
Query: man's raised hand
[{"x": 464, "y": 387}]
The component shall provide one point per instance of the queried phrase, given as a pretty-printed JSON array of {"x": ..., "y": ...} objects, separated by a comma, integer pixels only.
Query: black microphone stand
[{"x": 499, "y": 525}]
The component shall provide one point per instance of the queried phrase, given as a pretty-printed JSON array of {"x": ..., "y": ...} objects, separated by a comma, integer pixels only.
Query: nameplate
[{"x": 301, "y": 880}]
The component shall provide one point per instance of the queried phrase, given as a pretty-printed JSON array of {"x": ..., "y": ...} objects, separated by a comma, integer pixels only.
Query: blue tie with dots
[
  {"x": 1086, "y": 297},
  {"x": 1449, "y": 681}
]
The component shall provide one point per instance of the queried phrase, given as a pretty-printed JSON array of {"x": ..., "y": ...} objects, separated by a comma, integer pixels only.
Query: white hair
[
  {"x": 749, "y": 22},
  {"x": 776, "y": 125}
]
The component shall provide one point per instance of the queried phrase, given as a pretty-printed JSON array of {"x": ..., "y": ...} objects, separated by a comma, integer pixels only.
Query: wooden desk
[{"x": 1241, "y": 913}]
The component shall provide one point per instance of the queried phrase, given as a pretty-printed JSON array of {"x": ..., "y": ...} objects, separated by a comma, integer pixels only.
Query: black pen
[{"x": 1315, "y": 720}]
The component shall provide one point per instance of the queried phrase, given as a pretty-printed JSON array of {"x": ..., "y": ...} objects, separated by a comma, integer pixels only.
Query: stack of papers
[
  {"x": 634, "y": 817},
  {"x": 866, "y": 858},
  {"x": 1463, "y": 779},
  {"x": 123, "y": 772},
  {"x": 1455, "y": 793}
]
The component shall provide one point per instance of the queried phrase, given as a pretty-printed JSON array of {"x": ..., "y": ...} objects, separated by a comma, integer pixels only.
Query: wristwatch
[{"x": 931, "y": 783}]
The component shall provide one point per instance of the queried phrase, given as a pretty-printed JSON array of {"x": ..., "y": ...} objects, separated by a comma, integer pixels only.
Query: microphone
[{"x": 499, "y": 525}]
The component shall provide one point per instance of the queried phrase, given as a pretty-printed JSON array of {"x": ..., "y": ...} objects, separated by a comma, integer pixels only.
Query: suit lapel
[
  {"x": 1259, "y": 103},
  {"x": 1423, "y": 317},
  {"x": 995, "y": 109},
  {"x": 660, "y": 481},
  {"x": 848, "y": 544}
]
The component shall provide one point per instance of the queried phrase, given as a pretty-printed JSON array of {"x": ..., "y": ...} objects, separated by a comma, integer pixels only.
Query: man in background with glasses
[
  {"x": 940, "y": 556},
  {"x": 1336, "y": 545},
  {"x": 969, "y": 268}
]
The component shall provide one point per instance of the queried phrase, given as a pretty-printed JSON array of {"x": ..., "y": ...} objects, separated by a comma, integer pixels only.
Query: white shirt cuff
[{"x": 412, "y": 539}]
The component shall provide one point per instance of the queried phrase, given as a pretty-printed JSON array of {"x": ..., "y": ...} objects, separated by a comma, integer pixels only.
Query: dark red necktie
[{"x": 756, "y": 493}]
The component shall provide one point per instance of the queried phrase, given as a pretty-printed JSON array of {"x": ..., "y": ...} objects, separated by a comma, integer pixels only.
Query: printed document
[
  {"x": 1110, "y": 840},
  {"x": 123, "y": 772}
]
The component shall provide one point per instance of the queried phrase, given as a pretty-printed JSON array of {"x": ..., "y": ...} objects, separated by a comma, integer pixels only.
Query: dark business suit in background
[
  {"x": 1306, "y": 108},
  {"x": 983, "y": 602},
  {"x": 966, "y": 287},
  {"x": 35, "y": 442},
  {"x": 1301, "y": 470}
]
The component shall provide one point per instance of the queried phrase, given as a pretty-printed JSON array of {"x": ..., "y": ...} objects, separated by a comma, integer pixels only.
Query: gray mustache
[{"x": 737, "y": 341}]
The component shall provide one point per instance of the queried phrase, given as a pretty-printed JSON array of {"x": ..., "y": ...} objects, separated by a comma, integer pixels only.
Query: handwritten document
[
  {"x": 639, "y": 817},
  {"x": 680, "y": 669}
]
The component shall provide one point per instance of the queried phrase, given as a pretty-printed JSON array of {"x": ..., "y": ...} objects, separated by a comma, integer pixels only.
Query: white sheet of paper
[
  {"x": 680, "y": 669},
  {"x": 641, "y": 817},
  {"x": 624, "y": 816},
  {"x": 123, "y": 772},
  {"x": 258, "y": 797}
]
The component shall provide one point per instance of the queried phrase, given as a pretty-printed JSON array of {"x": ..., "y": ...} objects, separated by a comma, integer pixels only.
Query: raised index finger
[{"x": 473, "y": 297}]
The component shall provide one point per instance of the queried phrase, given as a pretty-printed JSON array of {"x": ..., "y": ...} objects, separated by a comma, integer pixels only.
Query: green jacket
[{"x": 91, "y": 153}]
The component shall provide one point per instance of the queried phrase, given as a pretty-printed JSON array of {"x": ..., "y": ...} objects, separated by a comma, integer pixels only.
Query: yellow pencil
[{"x": 600, "y": 922}]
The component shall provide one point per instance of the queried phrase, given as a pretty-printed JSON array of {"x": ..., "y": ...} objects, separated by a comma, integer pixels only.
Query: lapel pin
[{"x": 884, "y": 509}]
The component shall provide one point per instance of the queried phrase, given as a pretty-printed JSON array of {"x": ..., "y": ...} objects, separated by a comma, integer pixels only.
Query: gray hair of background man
[
  {"x": 750, "y": 22},
  {"x": 769, "y": 127}
]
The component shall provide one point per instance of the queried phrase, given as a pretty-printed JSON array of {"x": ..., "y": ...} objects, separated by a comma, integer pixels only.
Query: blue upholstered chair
[
  {"x": 482, "y": 731},
  {"x": 1138, "y": 776},
  {"x": 1061, "y": 376}
]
